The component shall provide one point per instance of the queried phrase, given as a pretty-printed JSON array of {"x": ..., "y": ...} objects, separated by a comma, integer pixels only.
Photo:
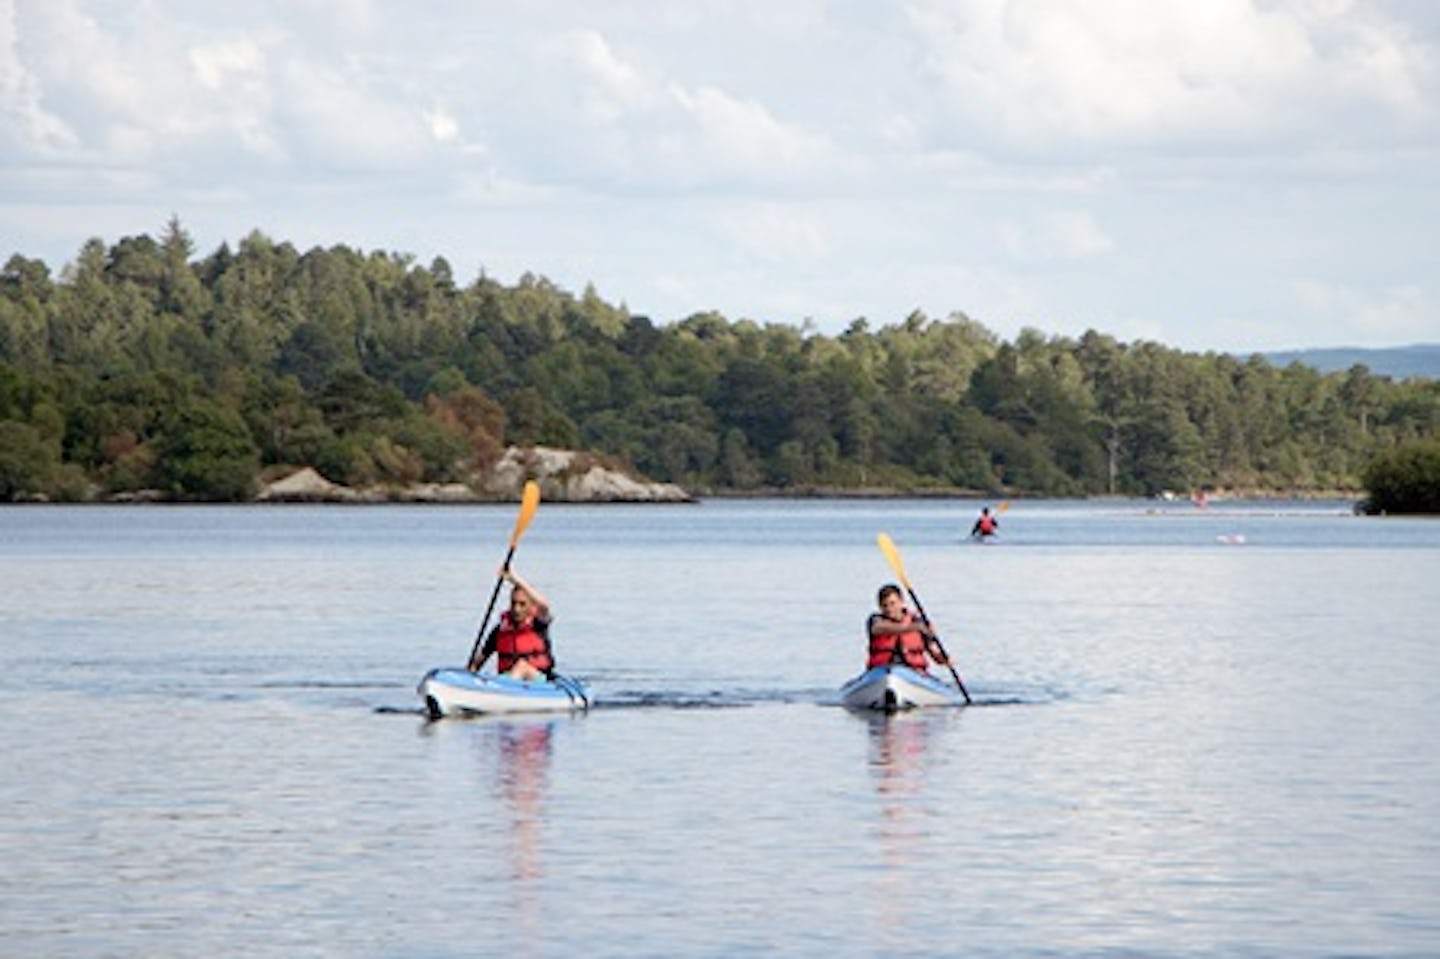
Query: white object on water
[
  {"x": 895, "y": 687},
  {"x": 457, "y": 692}
]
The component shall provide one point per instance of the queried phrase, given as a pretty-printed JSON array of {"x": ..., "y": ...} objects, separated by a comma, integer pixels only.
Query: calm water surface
[{"x": 1196, "y": 733}]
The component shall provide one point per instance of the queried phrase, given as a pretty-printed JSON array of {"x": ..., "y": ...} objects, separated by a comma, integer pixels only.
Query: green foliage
[
  {"x": 27, "y": 461},
  {"x": 1406, "y": 479},
  {"x": 439, "y": 448},
  {"x": 140, "y": 367},
  {"x": 206, "y": 453}
]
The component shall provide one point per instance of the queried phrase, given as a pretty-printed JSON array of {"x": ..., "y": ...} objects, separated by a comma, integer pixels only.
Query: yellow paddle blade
[
  {"x": 529, "y": 503},
  {"x": 887, "y": 546},
  {"x": 1002, "y": 507}
]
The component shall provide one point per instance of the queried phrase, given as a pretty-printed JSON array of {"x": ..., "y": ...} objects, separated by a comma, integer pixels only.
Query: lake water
[{"x": 1196, "y": 733}]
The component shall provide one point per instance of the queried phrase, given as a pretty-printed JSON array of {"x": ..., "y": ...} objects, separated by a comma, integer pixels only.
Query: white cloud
[
  {"x": 1040, "y": 71},
  {"x": 739, "y": 136},
  {"x": 1394, "y": 314},
  {"x": 1398, "y": 315},
  {"x": 25, "y": 119},
  {"x": 777, "y": 233},
  {"x": 1023, "y": 161},
  {"x": 1062, "y": 235},
  {"x": 654, "y": 128},
  {"x": 443, "y": 126},
  {"x": 342, "y": 124},
  {"x": 154, "y": 85},
  {"x": 615, "y": 89},
  {"x": 215, "y": 64},
  {"x": 234, "y": 95}
]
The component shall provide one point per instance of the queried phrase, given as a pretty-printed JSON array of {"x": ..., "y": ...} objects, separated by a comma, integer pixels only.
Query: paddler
[
  {"x": 521, "y": 640},
  {"x": 985, "y": 524},
  {"x": 897, "y": 635}
]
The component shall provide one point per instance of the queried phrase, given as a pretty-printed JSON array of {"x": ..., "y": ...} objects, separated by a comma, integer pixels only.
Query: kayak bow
[
  {"x": 458, "y": 692},
  {"x": 895, "y": 687}
]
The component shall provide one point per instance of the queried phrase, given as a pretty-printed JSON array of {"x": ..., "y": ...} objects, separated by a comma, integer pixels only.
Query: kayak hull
[
  {"x": 459, "y": 692},
  {"x": 894, "y": 688}
]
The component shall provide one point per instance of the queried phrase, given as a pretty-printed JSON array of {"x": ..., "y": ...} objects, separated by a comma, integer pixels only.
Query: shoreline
[{"x": 413, "y": 497}]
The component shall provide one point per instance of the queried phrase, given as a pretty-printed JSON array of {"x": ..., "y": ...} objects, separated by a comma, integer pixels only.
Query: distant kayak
[
  {"x": 459, "y": 692},
  {"x": 893, "y": 688}
]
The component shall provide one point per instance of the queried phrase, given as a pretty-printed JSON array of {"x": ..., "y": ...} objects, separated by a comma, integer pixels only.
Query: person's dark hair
[{"x": 886, "y": 590}]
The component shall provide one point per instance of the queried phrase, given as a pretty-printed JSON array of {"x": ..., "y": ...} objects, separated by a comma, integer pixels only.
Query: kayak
[
  {"x": 459, "y": 692},
  {"x": 893, "y": 688}
]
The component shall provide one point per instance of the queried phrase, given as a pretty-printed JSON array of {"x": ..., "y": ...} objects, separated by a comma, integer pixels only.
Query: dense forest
[{"x": 140, "y": 366}]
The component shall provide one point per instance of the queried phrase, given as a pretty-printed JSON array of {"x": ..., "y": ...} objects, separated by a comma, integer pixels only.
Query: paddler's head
[
  {"x": 521, "y": 602},
  {"x": 892, "y": 603}
]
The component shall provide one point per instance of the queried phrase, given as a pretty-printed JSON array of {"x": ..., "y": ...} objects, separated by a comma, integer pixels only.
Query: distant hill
[{"x": 1399, "y": 362}]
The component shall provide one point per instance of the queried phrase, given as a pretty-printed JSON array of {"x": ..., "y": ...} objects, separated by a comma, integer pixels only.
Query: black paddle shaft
[
  {"x": 494, "y": 595},
  {"x": 920, "y": 608}
]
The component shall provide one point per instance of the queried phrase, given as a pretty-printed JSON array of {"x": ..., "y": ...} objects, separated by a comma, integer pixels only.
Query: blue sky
[{"x": 1228, "y": 174}]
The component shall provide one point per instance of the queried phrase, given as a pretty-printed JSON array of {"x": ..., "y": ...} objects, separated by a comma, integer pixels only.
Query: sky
[{"x": 1230, "y": 175}]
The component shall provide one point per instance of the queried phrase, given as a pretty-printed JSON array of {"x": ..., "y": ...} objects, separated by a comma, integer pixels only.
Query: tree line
[{"x": 140, "y": 366}]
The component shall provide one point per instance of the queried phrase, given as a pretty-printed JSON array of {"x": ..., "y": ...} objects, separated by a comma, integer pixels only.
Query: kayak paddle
[
  {"x": 887, "y": 546},
  {"x": 529, "y": 503}
]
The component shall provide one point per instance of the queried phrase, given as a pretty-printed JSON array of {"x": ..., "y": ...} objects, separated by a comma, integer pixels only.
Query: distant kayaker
[
  {"x": 521, "y": 640},
  {"x": 985, "y": 525},
  {"x": 899, "y": 636}
]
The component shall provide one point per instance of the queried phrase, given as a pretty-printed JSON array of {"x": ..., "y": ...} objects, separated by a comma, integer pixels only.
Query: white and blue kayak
[
  {"x": 893, "y": 688},
  {"x": 459, "y": 692}
]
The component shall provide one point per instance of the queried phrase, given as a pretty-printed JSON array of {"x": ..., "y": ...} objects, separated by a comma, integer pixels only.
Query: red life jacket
[
  {"x": 987, "y": 524},
  {"x": 516, "y": 642},
  {"x": 907, "y": 647}
]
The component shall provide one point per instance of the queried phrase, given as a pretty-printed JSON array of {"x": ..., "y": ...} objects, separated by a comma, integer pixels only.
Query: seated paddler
[
  {"x": 520, "y": 642},
  {"x": 899, "y": 636}
]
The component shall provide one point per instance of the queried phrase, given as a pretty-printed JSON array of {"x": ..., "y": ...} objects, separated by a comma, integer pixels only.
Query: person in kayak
[
  {"x": 985, "y": 525},
  {"x": 521, "y": 640},
  {"x": 899, "y": 636}
]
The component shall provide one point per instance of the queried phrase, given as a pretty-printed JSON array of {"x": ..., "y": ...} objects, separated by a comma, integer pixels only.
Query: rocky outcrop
[
  {"x": 304, "y": 486},
  {"x": 563, "y": 475},
  {"x": 568, "y": 476}
]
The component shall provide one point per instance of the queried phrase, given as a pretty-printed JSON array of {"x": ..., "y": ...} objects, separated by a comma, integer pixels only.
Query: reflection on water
[
  {"x": 897, "y": 749},
  {"x": 523, "y": 749},
  {"x": 897, "y": 752},
  {"x": 524, "y": 765},
  {"x": 898, "y": 743},
  {"x": 1177, "y": 749}
]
